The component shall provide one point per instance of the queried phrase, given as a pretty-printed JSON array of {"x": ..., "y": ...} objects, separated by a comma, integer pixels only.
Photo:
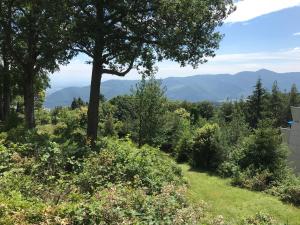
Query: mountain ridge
[{"x": 211, "y": 87}]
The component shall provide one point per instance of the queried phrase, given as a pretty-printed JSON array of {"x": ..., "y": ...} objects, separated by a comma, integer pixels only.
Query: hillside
[
  {"x": 193, "y": 88},
  {"x": 234, "y": 203}
]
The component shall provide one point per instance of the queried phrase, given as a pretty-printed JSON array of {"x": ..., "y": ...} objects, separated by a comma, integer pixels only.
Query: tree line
[{"x": 36, "y": 37}]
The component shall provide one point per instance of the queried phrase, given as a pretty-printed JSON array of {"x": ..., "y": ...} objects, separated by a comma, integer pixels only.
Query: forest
[{"x": 121, "y": 161}]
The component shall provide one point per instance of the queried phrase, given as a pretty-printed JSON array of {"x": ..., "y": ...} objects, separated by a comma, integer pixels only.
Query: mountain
[{"x": 194, "y": 88}]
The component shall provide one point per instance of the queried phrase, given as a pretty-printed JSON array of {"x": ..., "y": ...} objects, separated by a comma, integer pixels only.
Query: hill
[
  {"x": 240, "y": 203},
  {"x": 193, "y": 88}
]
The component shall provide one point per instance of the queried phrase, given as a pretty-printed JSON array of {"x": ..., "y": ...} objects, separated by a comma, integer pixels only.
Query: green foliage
[
  {"x": 260, "y": 219},
  {"x": 122, "y": 162},
  {"x": 276, "y": 104},
  {"x": 47, "y": 182},
  {"x": 176, "y": 125},
  {"x": 77, "y": 103},
  {"x": 256, "y": 105},
  {"x": 262, "y": 159},
  {"x": 150, "y": 108},
  {"x": 264, "y": 150},
  {"x": 292, "y": 194},
  {"x": 207, "y": 152},
  {"x": 70, "y": 124},
  {"x": 293, "y": 101}
]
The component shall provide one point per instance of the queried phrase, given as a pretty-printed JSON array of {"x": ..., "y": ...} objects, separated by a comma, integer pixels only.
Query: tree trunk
[
  {"x": 6, "y": 86},
  {"x": 1, "y": 103},
  {"x": 6, "y": 92},
  {"x": 29, "y": 100},
  {"x": 93, "y": 111}
]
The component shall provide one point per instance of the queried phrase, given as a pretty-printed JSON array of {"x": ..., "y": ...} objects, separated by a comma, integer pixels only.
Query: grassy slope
[{"x": 235, "y": 203}]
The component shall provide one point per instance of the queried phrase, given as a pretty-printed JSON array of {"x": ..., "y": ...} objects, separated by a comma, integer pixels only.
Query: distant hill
[{"x": 194, "y": 88}]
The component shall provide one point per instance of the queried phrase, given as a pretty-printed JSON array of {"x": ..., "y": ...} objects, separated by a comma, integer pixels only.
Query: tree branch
[
  {"x": 83, "y": 51},
  {"x": 119, "y": 73}
]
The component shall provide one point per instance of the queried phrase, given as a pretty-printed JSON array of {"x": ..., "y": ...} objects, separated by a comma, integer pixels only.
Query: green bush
[
  {"x": 264, "y": 150},
  {"x": 127, "y": 205},
  {"x": 47, "y": 183},
  {"x": 184, "y": 147},
  {"x": 122, "y": 162},
  {"x": 292, "y": 194},
  {"x": 253, "y": 180},
  {"x": 262, "y": 160},
  {"x": 260, "y": 219},
  {"x": 207, "y": 153}
]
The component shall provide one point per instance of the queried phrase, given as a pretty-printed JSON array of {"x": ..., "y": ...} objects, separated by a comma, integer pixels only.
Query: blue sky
[{"x": 259, "y": 34}]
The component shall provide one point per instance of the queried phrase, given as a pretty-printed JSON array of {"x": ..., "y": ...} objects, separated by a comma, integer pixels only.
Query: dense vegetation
[
  {"x": 50, "y": 175},
  {"x": 110, "y": 162}
]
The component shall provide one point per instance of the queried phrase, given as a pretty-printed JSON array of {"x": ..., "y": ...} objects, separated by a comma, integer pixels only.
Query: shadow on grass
[{"x": 202, "y": 170}]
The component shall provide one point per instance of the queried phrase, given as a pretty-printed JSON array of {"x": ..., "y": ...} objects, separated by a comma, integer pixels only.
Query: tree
[
  {"x": 121, "y": 35},
  {"x": 207, "y": 152},
  {"x": 294, "y": 100},
  {"x": 264, "y": 150},
  {"x": 77, "y": 103},
  {"x": 1, "y": 93},
  {"x": 276, "y": 105},
  {"x": 150, "y": 108},
  {"x": 199, "y": 110},
  {"x": 227, "y": 111},
  {"x": 5, "y": 62},
  {"x": 38, "y": 43},
  {"x": 256, "y": 104}
]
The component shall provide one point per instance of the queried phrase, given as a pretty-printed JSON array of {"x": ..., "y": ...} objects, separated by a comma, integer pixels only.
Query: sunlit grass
[{"x": 236, "y": 203}]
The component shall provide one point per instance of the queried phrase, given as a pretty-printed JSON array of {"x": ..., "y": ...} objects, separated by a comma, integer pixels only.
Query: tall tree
[
  {"x": 1, "y": 93},
  {"x": 256, "y": 104},
  {"x": 121, "y": 35},
  {"x": 38, "y": 42},
  {"x": 294, "y": 100},
  {"x": 150, "y": 108},
  {"x": 276, "y": 105},
  {"x": 5, "y": 14}
]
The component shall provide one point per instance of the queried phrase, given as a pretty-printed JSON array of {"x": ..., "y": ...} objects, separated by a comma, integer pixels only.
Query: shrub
[
  {"x": 119, "y": 185},
  {"x": 207, "y": 152},
  {"x": 122, "y": 162},
  {"x": 127, "y": 205},
  {"x": 253, "y": 180},
  {"x": 292, "y": 194},
  {"x": 184, "y": 147},
  {"x": 260, "y": 219},
  {"x": 264, "y": 150}
]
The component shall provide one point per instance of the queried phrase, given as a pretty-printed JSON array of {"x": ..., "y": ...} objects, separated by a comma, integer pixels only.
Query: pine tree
[
  {"x": 276, "y": 105},
  {"x": 150, "y": 106},
  {"x": 294, "y": 101},
  {"x": 256, "y": 105}
]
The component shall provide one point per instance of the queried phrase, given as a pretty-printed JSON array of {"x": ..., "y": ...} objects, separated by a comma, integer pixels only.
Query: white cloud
[
  {"x": 297, "y": 34},
  {"x": 250, "y": 9}
]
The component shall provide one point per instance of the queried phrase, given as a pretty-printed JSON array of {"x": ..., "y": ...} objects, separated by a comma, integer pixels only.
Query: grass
[{"x": 235, "y": 203}]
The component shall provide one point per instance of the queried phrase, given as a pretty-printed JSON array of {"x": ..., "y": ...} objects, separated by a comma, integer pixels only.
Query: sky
[{"x": 259, "y": 34}]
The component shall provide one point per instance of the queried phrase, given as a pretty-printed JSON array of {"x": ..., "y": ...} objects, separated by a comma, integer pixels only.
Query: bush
[
  {"x": 260, "y": 219},
  {"x": 184, "y": 147},
  {"x": 207, "y": 152},
  {"x": 292, "y": 194},
  {"x": 264, "y": 150},
  {"x": 253, "y": 180},
  {"x": 122, "y": 162},
  {"x": 47, "y": 183},
  {"x": 125, "y": 205}
]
